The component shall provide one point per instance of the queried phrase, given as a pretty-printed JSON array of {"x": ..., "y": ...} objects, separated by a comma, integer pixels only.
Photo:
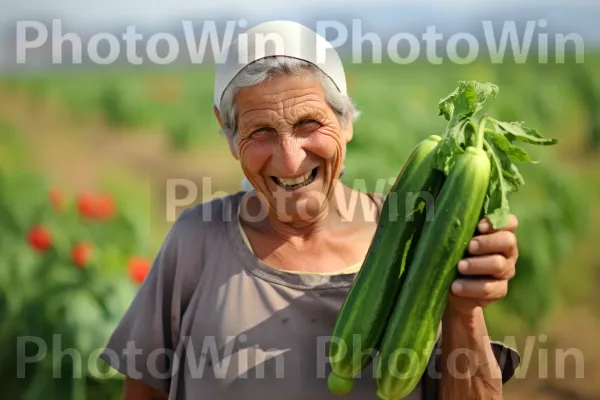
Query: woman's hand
[
  {"x": 485, "y": 275},
  {"x": 486, "y": 272}
]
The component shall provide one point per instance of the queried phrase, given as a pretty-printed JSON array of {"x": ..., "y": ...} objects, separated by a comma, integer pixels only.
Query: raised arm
[{"x": 469, "y": 369}]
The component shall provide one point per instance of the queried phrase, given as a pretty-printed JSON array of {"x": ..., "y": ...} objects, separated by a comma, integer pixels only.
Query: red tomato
[
  {"x": 138, "y": 268},
  {"x": 40, "y": 238},
  {"x": 99, "y": 206},
  {"x": 81, "y": 254},
  {"x": 105, "y": 206},
  {"x": 86, "y": 205}
]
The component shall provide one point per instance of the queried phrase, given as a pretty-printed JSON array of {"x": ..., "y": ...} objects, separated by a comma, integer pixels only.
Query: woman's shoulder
[
  {"x": 193, "y": 241},
  {"x": 201, "y": 225},
  {"x": 209, "y": 214}
]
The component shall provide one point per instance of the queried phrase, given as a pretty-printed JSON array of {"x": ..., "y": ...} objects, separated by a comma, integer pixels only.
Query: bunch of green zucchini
[{"x": 449, "y": 183}]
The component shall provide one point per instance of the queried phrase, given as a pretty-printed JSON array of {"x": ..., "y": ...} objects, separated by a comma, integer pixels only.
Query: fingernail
[
  {"x": 473, "y": 246},
  {"x": 484, "y": 226},
  {"x": 457, "y": 287},
  {"x": 463, "y": 265}
]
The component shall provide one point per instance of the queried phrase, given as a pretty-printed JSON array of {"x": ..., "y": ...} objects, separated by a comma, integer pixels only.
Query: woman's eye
[
  {"x": 259, "y": 132},
  {"x": 309, "y": 123}
]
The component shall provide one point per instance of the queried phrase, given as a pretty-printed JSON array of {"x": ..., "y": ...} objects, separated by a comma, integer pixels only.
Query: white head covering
[{"x": 277, "y": 38}]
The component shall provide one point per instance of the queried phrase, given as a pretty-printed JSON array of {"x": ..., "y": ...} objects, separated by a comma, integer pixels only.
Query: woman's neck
[
  {"x": 338, "y": 239},
  {"x": 342, "y": 209}
]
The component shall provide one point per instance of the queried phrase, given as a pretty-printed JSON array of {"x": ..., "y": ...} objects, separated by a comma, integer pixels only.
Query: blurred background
[{"x": 88, "y": 152}]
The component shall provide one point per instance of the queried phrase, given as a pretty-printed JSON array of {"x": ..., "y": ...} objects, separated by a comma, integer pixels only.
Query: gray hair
[{"x": 268, "y": 67}]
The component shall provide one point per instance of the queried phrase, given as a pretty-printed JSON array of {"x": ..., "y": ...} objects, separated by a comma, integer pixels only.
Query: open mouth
[{"x": 296, "y": 183}]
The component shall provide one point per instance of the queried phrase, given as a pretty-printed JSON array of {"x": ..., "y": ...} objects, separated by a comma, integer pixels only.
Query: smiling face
[{"x": 291, "y": 144}]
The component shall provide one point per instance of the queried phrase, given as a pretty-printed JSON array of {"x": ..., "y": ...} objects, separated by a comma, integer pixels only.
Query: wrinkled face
[{"x": 291, "y": 145}]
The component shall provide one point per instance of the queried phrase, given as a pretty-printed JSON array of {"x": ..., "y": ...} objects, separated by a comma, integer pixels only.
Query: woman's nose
[{"x": 289, "y": 155}]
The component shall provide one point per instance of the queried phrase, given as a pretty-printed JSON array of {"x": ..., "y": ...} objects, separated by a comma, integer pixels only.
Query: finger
[
  {"x": 494, "y": 265},
  {"x": 502, "y": 242},
  {"x": 482, "y": 289},
  {"x": 485, "y": 226},
  {"x": 463, "y": 303}
]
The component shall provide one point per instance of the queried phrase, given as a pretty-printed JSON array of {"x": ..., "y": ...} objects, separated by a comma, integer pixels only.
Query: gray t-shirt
[{"x": 211, "y": 321}]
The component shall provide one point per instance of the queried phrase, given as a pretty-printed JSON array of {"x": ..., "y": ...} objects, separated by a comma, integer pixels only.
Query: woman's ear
[
  {"x": 230, "y": 141},
  {"x": 348, "y": 129},
  {"x": 233, "y": 148},
  {"x": 218, "y": 116}
]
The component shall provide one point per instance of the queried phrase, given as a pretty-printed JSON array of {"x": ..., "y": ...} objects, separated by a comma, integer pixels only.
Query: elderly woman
[{"x": 242, "y": 297}]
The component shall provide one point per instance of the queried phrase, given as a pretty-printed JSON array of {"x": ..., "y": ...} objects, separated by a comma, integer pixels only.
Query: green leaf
[
  {"x": 496, "y": 207},
  {"x": 467, "y": 99},
  {"x": 468, "y": 133},
  {"x": 514, "y": 178},
  {"x": 449, "y": 147},
  {"x": 505, "y": 176},
  {"x": 82, "y": 317},
  {"x": 518, "y": 131},
  {"x": 514, "y": 153}
]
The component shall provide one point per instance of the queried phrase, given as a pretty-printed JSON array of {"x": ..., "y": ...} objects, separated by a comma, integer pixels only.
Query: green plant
[
  {"x": 122, "y": 106},
  {"x": 181, "y": 134},
  {"x": 415, "y": 321},
  {"x": 64, "y": 285},
  {"x": 553, "y": 214},
  {"x": 481, "y": 175},
  {"x": 371, "y": 300},
  {"x": 590, "y": 100},
  {"x": 479, "y": 165}
]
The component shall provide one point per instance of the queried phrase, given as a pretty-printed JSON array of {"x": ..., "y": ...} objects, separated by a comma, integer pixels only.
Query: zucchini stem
[
  {"x": 479, "y": 137},
  {"x": 448, "y": 127}
]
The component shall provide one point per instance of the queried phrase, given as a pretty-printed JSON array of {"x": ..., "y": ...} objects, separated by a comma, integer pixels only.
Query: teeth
[{"x": 295, "y": 182}]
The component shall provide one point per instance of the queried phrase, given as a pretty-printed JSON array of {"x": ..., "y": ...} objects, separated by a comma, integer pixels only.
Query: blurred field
[{"x": 130, "y": 131}]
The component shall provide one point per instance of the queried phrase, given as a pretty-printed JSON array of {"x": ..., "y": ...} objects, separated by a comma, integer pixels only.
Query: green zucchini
[
  {"x": 361, "y": 322},
  {"x": 413, "y": 326}
]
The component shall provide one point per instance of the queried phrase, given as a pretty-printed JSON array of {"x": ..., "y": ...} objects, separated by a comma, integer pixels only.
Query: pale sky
[
  {"x": 79, "y": 12},
  {"x": 380, "y": 16}
]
